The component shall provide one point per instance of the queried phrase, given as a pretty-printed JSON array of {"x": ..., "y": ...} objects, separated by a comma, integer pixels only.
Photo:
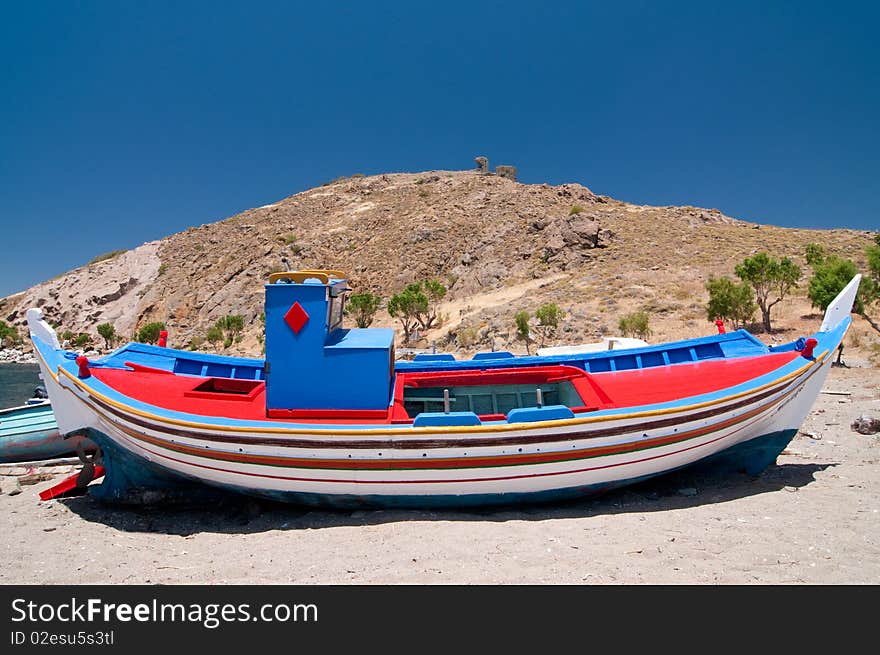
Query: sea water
[{"x": 17, "y": 383}]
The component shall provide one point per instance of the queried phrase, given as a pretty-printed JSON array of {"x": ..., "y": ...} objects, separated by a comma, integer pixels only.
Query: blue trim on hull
[{"x": 131, "y": 479}]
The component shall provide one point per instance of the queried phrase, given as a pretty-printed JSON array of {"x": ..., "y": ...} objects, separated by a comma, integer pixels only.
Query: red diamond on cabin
[{"x": 296, "y": 317}]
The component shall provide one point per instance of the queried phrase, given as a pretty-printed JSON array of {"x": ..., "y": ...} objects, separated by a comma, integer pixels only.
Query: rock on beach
[{"x": 16, "y": 356}]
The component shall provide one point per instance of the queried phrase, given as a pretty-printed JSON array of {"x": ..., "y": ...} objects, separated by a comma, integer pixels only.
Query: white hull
[{"x": 155, "y": 441}]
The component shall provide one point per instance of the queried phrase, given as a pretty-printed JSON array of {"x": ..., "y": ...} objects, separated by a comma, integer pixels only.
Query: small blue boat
[{"x": 29, "y": 433}]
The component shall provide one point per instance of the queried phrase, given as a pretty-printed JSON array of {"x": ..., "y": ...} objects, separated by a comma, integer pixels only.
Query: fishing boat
[
  {"x": 29, "y": 432},
  {"x": 330, "y": 418}
]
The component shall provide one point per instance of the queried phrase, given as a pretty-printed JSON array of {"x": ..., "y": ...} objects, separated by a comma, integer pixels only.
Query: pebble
[
  {"x": 865, "y": 425},
  {"x": 10, "y": 486},
  {"x": 35, "y": 478}
]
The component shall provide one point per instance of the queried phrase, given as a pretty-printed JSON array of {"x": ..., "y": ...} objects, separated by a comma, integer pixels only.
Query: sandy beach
[{"x": 813, "y": 518}]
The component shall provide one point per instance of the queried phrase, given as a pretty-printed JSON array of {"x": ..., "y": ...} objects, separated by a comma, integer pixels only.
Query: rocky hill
[{"x": 500, "y": 247}]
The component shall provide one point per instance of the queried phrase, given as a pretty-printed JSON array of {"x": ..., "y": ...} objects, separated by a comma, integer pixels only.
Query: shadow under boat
[{"x": 231, "y": 513}]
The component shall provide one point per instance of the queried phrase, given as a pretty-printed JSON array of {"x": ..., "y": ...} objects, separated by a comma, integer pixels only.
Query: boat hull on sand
[
  {"x": 30, "y": 433},
  {"x": 738, "y": 412}
]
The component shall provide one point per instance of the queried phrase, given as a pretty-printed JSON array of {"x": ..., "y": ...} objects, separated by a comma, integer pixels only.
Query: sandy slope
[{"x": 812, "y": 518}]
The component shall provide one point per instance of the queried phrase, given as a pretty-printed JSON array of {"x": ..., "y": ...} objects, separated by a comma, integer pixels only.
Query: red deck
[{"x": 246, "y": 400}]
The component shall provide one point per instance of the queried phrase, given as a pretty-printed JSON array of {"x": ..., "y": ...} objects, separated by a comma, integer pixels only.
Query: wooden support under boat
[{"x": 70, "y": 485}]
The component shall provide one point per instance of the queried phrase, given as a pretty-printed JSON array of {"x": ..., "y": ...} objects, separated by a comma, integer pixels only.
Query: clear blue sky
[{"x": 123, "y": 122}]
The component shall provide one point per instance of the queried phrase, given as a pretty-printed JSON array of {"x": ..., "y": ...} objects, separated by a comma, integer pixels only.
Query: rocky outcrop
[
  {"x": 480, "y": 234},
  {"x": 107, "y": 291},
  {"x": 506, "y": 171},
  {"x": 568, "y": 240}
]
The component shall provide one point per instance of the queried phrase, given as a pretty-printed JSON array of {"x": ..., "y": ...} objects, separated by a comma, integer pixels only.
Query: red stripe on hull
[{"x": 452, "y": 481}]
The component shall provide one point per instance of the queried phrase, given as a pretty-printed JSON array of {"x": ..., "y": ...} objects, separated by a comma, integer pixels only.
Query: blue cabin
[{"x": 314, "y": 366}]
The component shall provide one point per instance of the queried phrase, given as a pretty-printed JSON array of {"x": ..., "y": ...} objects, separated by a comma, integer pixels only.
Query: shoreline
[{"x": 16, "y": 356}]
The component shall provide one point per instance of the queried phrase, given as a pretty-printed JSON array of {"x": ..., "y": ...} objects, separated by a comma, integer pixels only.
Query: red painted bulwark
[
  {"x": 296, "y": 317},
  {"x": 667, "y": 383}
]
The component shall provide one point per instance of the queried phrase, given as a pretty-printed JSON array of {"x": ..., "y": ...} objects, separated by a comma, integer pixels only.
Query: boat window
[
  {"x": 488, "y": 399},
  {"x": 506, "y": 402},
  {"x": 337, "y": 308},
  {"x": 482, "y": 404}
]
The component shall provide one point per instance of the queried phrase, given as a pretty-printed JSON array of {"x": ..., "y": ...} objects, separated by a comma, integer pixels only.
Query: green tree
[
  {"x": 635, "y": 325},
  {"x": 150, "y": 332},
  {"x": 82, "y": 339},
  {"x": 548, "y": 321},
  {"x": 873, "y": 253},
  {"x": 434, "y": 291},
  {"x": 829, "y": 278},
  {"x": 231, "y": 325},
  {"x": 214, "y": 335},
  {"x": 870, "y": 286},
  {"x": 407, "y": 306},
  {"x": 833, "y": 273},
  {"x": 730, "y": 301},
  {"x": 815, "y": 254},
  {"x": 8, "y": 334},
  {"x": 108, "y": 333},
  {"x": 523, "y": 331},
  {"x": 771, "y": 278},
  {"x": 364, "y": 307}
]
